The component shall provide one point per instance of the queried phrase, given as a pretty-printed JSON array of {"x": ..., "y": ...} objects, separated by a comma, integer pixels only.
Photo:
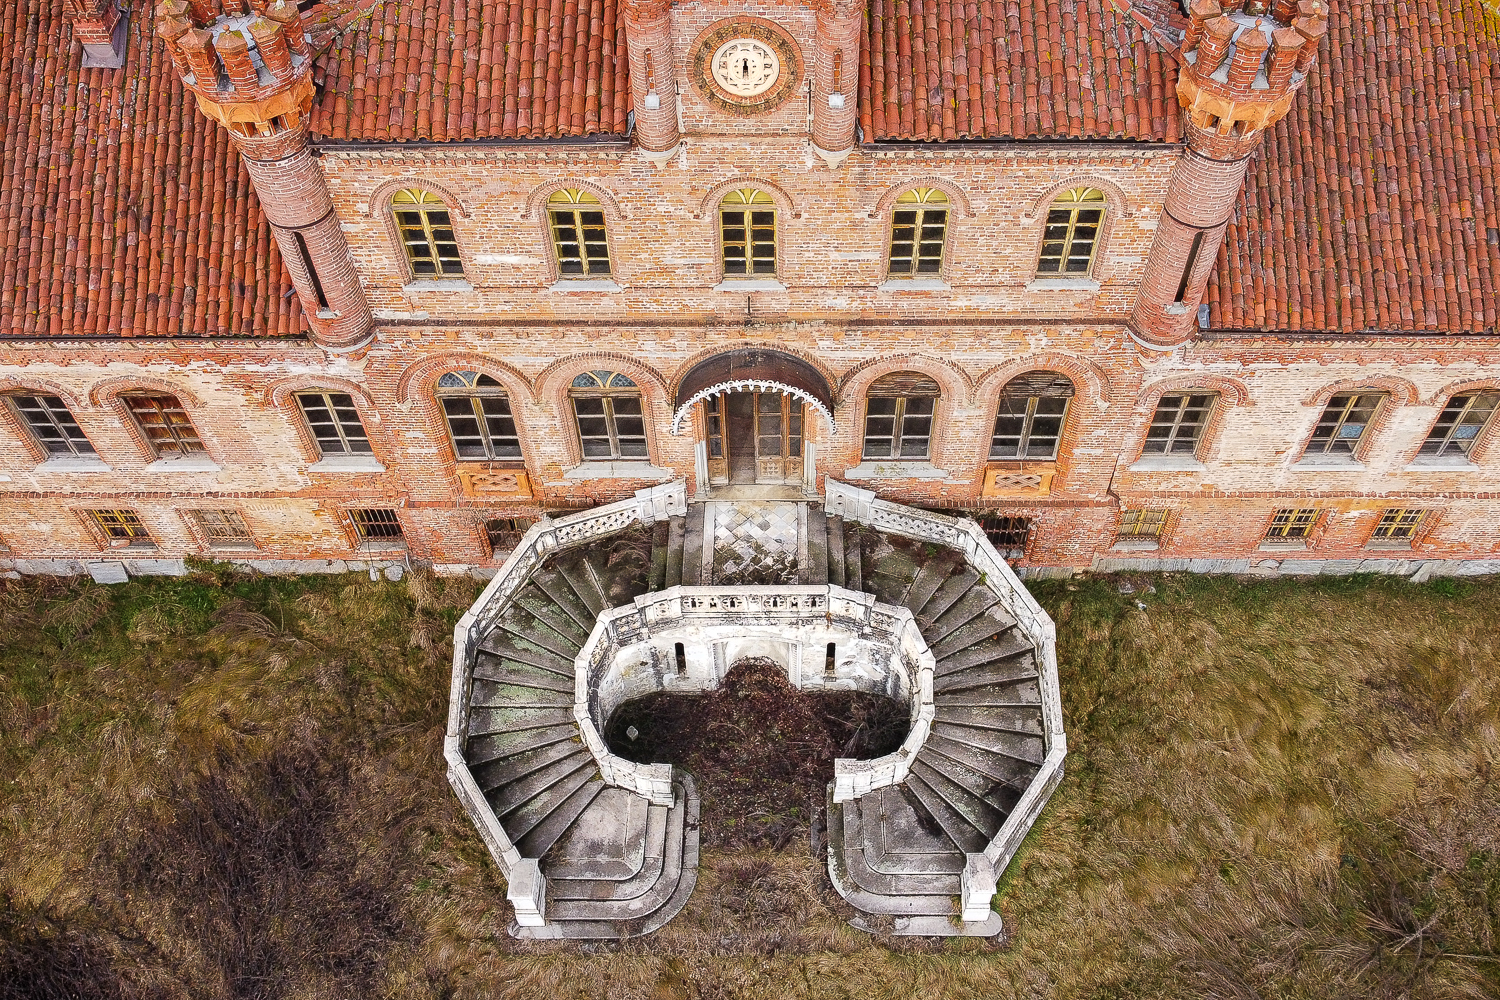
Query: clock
[{"x": 746, "y": 65}]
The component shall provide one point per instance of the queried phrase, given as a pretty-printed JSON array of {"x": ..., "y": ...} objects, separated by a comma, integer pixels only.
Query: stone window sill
[
  {"x": 198, "y": 464},
  {"x": 584, "y": 285},
  {"x": 1323, "y": 463},
  {"x": 437, "y": 285},
  {"x": 896, "y": 470},
  {"x": 382, "y": 545},
  {"x": 1135, "y": 545},
  {"x": 1062, "y": 285},
  {"x": 914, "y": 285},
  {"x": 233, "y": 547},
  {"x": 1389, "y": 544},
  {"x": 749, "y": 285},
  {"x": 73, "y": 463},
  {"x": 619, "y": 470},
  {"x": 347, "y": 463},
  {"x": 1426, "y": 463},
  {"x": 1284, "y": 545},
  {"x": 1166, "y": 463}
]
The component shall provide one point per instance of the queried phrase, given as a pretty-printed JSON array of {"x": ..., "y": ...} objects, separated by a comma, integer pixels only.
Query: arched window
[
  {"x": 919, "y": 225},
  {"x": 611, "y": 422},
  {"x": 426, "y": 229},
  {"x": 898, "y": 417},
  {"x": 1029, "y": 420},
  {"x": 1072, "y": 234},
  {"x": 747, "y": 233},
  {"x": 480, "y": 423},
  {"x": 578, "y": 236},
  {"x": 1460, "y": 424},
  {"x": 1345, "y": 420},
  {"x": 51, "y": 424}
]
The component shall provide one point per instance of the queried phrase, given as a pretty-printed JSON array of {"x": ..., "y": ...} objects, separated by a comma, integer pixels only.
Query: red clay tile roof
[
  {"x": 445, "y": 70},
  {"x": 1013, "y": 69},
  {"x": 1375, "y": 205},
  {"x": 123, "y": 211}
]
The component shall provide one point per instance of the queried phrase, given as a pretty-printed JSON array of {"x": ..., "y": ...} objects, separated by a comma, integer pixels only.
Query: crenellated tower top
[
  {"x": 248, "y": 61},
  {"x": 1243, "y": 62}
]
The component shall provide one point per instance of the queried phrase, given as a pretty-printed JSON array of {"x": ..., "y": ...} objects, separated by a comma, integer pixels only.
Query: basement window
[
  {"x": 504, "y": 533},
  {"x": 121, "y": 528},
  {"x": 1007, "y": 534},
  {"x": 1397, "y": 528},
  {"x": 377, "y": 528},
  {"x": 223, "y": 529},
  {"x": 1292, "y": 526},
  {"x": 1141, "y": 526}
]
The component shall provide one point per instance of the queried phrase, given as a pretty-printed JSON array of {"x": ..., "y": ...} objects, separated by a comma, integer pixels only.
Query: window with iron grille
[
  {"x": 611, "y": 423},
  {"x": 51, "y": 424},
  {"x": 1071, "y": 236},
  {"x": 1177, "y": 426},
  {"x": 480, "y": 423},
  {"x": 919, "y": 225},
  {"x": 898, "y": 417},
  {"x": 223, "y": 529},
  {"x": 505, "y": 532},
  {"x": 1007, "y": 534},
  {"x": 1292, "y": 524},
  {"x": 334, "y": 423},
  {"x": 1029, "y": 421},
  {"x": 121, "y": 527},
  {"x": 1460, "y": 424},
  {"x": 164, "y": 423},
  {"x": 376, "y": 526},
  {"x": 1343, "y": 424},
  {"x": 1141, "y": 525},
  {"x": 426, "y": 229},
  {"x": 747, "y": 233},
  {"x": 1397, "y": 526},
  {"x": 578, "y": 235}
]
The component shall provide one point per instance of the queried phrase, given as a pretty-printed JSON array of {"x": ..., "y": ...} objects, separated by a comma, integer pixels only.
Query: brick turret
[
  {"x": 1242, "y": 64},
  {"x": 250, "y": 65},
  {"x": 653, "y": 80},
  {"x": 836, "y": 78},
  {"x": 100, "y": 28}
]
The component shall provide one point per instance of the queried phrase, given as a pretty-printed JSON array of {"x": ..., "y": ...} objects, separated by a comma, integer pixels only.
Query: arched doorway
[{"x": 752, "y": 407}]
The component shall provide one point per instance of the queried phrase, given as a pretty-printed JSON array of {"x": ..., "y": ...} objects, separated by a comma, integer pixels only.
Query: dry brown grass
[{"x": 232, "y": 787}]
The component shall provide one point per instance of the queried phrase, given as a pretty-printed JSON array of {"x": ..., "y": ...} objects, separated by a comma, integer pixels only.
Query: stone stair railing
[
  {"x": 630, "y": 654},
  {"x": 545, "y": 537},
  {"x": 981, "y": 873}
]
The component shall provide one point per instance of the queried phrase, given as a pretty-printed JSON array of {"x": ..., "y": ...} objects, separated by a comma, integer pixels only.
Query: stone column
[{"x": 1242, "y": 63}]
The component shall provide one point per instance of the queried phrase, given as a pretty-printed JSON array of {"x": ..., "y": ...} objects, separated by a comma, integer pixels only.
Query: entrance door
[{"x": 753, "y": 438}]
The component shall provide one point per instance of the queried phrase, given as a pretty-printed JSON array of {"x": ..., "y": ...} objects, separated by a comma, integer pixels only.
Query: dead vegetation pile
[{"x": 232, "y": 787}]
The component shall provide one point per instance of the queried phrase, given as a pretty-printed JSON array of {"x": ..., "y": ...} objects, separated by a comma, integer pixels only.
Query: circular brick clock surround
[{"x": 765, "y": 91}]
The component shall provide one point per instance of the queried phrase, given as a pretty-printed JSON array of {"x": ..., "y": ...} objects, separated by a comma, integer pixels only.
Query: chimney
[{"x": 101, "y": 29}]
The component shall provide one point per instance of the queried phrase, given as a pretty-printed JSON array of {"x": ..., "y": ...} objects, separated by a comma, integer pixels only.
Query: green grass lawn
[{"x": 226, "y": 786}]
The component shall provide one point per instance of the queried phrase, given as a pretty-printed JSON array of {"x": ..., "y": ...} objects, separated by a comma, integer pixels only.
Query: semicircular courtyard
[{"x": 599, "y": 613}]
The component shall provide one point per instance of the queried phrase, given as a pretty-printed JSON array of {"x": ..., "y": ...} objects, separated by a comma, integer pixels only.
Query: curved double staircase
[{"x": 595, "y": 847}]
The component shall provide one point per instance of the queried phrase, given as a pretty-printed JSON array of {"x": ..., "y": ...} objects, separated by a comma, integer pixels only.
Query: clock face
[{"x": 745, "y": 67}]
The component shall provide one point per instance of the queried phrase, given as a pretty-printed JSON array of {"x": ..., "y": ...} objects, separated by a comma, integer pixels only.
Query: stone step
[
  {"x": 965, "y": 834},
  {"x": 492, "y": 745},
  {"x": 525, "y": 626},
  {"x": 557, "y": 590},
  {"x": 893, "y": 573},
  {"x": 1022, "y": 747},
  {"x": 1001, "y": 796},
  {"x": 983, "y": 815},
  {"x": 536, "y": 841},
  {"x": 489, "y": 667},
  {"x": 512, "y": 647},
  {"x": 959, "y": 583},
  {"x": 836, "y": 551},
  {"x": 921, "y": 875},
  {"x": 493, "y": 694},
  {"x": 518, "y": 789},
  {"x": 933, "y": 573},
  {"x": 936, "y": 926},
  {"x": 623, "y": 572},
  {"x": 614, "y": 855},
  {"x": 547, "y": 611},
  {"x": 635, "y": 899},
  {"x": 571, "y": 568},
  {"x": 988, "y": 626},
  {"x": 506, "y": 770},
  {"x": 815, "y": 571},
  {"x": 1026, "y": 723},
  {"x": 676, "y": 532},
  {"x": 843, "y": 860},
  {"x": 1006, "y": 652},
  {"x": 692, "y": 546},
  {"x": 854, "y": 559},
  {"x": 998, "y": 768},
  {"x": 520, "y": 816},
  {"x": 1015, "y": 696},
  {"x": 898, "y": 838},
  {"x": 964, "y": 611},
  {"x": 505, "y": 718},
  {"x": 660, "y": 532}
]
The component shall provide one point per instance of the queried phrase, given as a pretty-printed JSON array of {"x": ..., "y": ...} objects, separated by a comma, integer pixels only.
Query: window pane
[{"x": 53, "y": 425}]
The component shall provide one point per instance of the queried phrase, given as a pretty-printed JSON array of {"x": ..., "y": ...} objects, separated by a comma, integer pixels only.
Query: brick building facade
[{"x": 1138, "y": 285}]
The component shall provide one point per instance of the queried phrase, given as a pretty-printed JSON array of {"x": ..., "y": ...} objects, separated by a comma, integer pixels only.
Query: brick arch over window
[
  {"x": 380, "y": 198},
  {"x": 954, "y": 382},
  {"x": 419, "y": 379},
  {"x": 1484, "y": 445},
  {"x": 1231, "y": 393},
  {"x": 709, "y": 207},
  {"x": 555, "y": 381},
  {"x": 1447, "y": 392},
  {"x": 536, "y": 201},
  {"x": 1116, "y": 207},
  {"x": 1091, "y": 382},
  {"x": 1401, "y": 391},
  {"x": 955, "y": 390},
  {"x": 955, "y": 194},
  {"x": 9, "y": 385},
  {"x": 106, "y": 392},
  {"x": 34, "y": 386},
  {"x": 1115, "y": 199},
  {"x": 278, "y": 396}
]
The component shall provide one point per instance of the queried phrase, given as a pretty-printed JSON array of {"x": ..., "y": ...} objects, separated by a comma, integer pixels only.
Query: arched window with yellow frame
[
  {"x": 919, "y": 228},
  {"x": 1071, "y": 239},
  {"x": 578, "y": 234},
  {"x": 747, "y": 233},
  {"x": 426, "y": 229}
]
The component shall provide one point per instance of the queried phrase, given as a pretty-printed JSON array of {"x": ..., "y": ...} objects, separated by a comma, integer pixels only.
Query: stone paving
[{"x": 756, "y": 542}]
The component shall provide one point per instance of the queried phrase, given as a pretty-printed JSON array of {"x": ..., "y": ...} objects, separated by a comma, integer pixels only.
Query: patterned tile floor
[{"x": 755, "y": 542}]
